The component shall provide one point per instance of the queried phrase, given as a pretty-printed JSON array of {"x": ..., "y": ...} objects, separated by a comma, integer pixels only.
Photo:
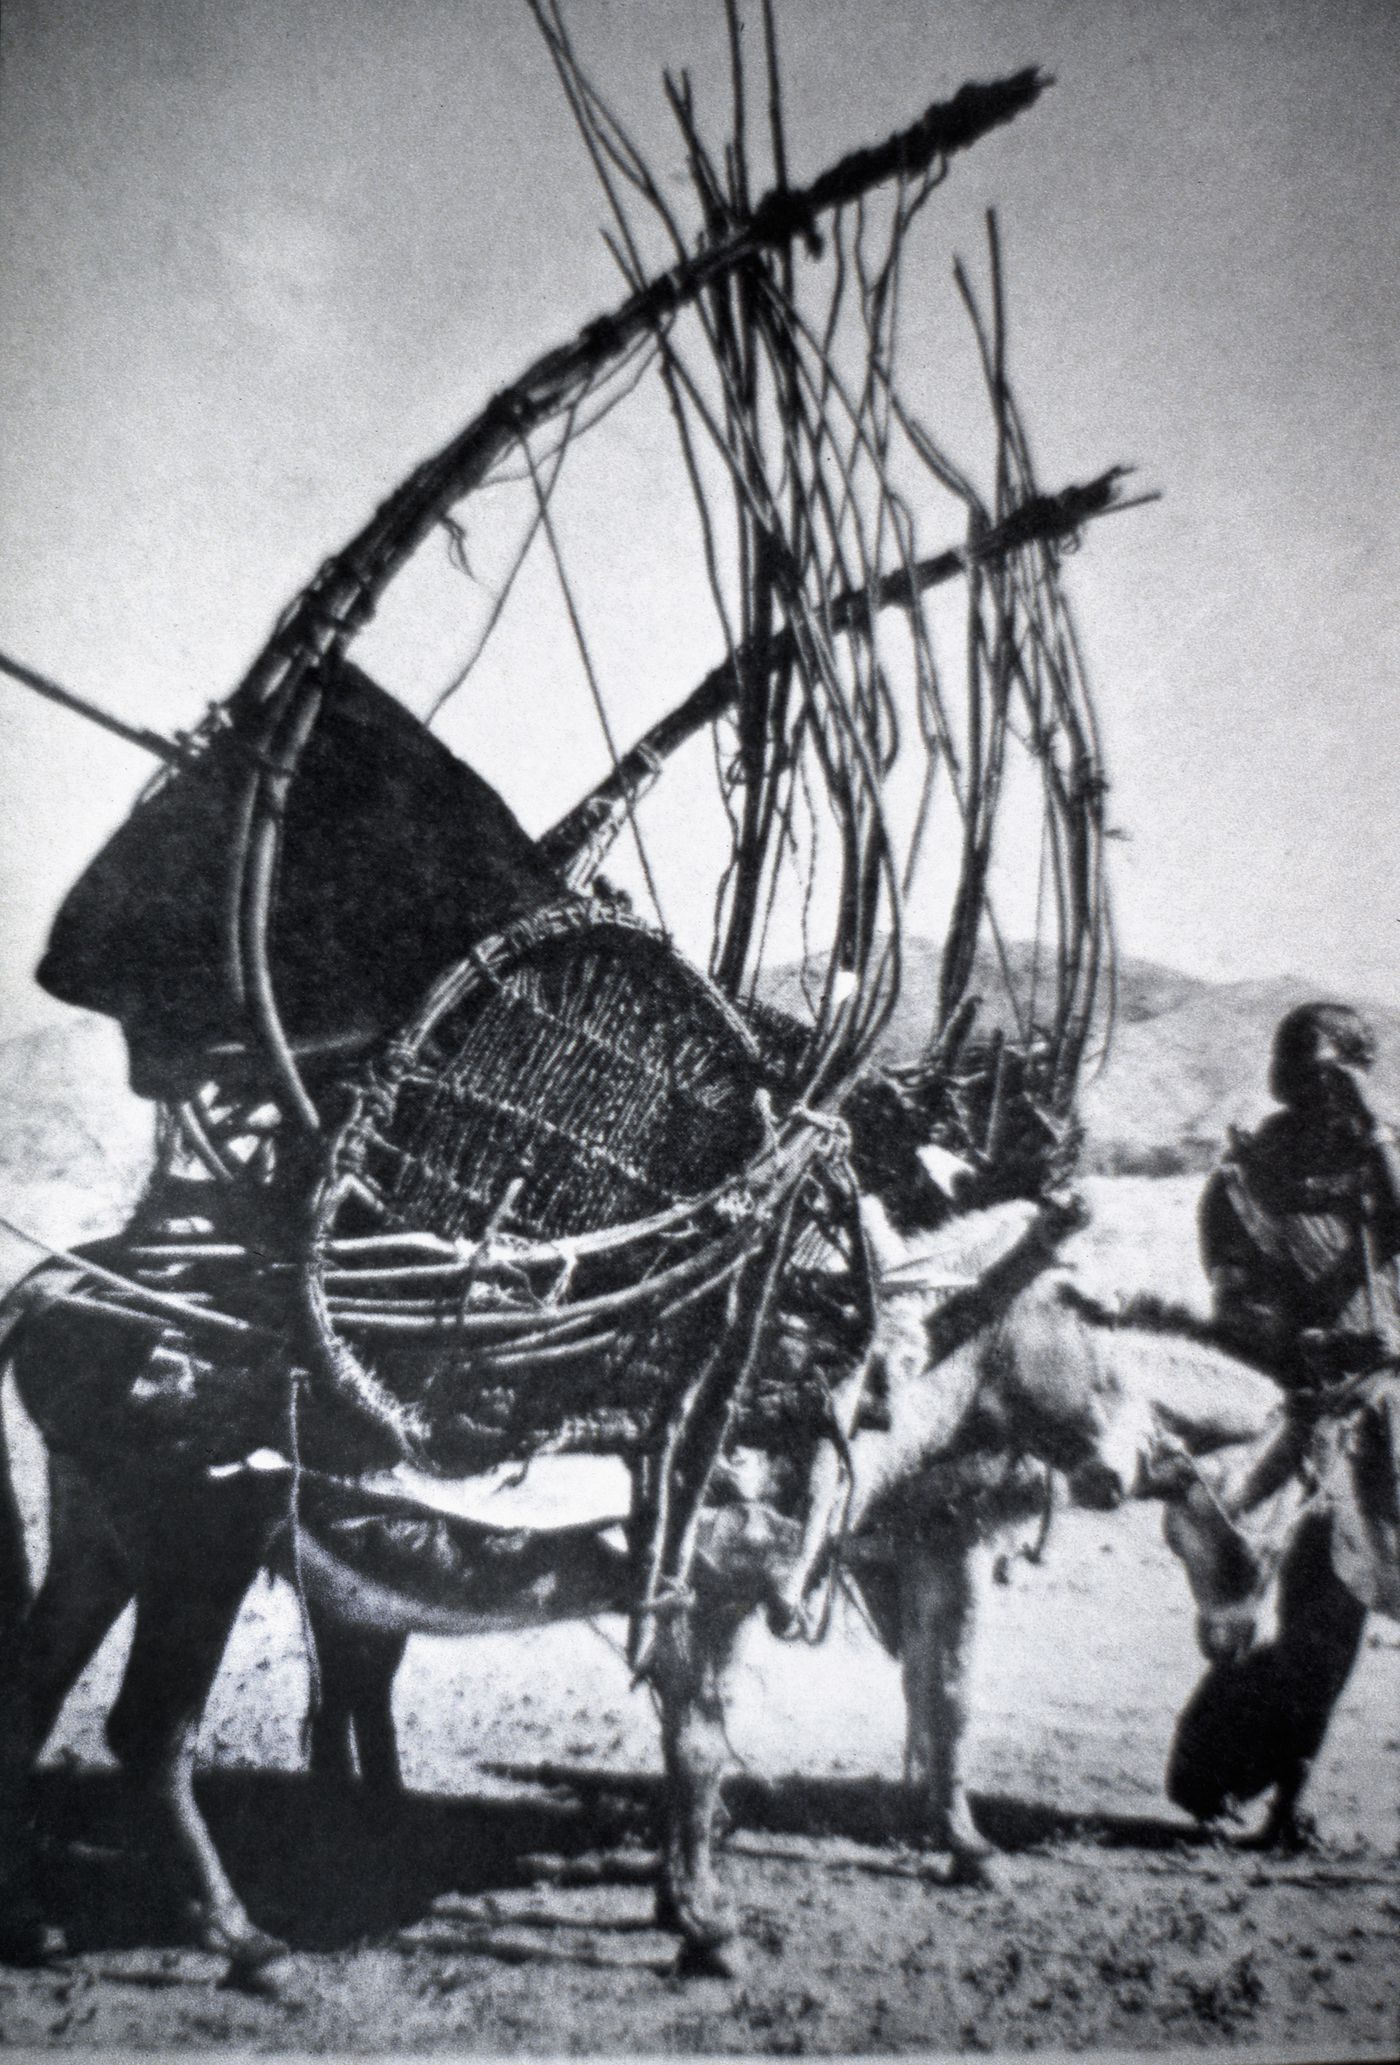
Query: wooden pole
[
  {"x": 133, "y": 734},
  {"x": 574, "y": 835},
  {"x": 577, "y": 844}
]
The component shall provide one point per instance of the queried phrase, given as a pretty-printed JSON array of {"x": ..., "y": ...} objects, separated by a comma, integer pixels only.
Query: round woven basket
[
  {"x": 573, "y": 1074},
  {"x": 545, "y": 1204}
]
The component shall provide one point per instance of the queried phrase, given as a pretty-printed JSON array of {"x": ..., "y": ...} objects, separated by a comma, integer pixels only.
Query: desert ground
[{"x": 502, "y": 1906}]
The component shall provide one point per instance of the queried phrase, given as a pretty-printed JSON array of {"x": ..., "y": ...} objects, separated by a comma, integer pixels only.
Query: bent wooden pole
[
  {"x": 345, "y": 593},
  {"x": 1043, "y": 519}
]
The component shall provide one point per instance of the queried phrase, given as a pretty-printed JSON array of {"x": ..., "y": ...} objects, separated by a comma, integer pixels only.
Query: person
[{"x": 1300, "y": 1235}]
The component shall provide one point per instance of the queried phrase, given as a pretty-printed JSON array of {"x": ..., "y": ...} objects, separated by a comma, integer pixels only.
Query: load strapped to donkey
[{"x": 463, "y": 1161}]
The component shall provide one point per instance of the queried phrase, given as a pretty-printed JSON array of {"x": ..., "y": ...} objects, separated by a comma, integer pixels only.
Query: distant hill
[
  {"x": 1189, "y": 1057},
  {"x": 1178, "y": 1075}
]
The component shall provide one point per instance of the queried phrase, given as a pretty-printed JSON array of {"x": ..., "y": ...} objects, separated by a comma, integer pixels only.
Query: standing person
[
  {"x": 1300, "y": 1236},
  {"x": 1300, "y": 1232}
]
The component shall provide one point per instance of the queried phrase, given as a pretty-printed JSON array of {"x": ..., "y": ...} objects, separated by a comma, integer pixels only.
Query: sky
[{"x": 258, "y": 257}]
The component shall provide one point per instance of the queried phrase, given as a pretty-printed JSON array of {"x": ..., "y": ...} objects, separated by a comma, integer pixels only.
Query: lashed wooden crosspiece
[
  {"x": 578, "y": 843},
  {"x": 1043, "y": 519},
  {"x": 154, "y": 742}
]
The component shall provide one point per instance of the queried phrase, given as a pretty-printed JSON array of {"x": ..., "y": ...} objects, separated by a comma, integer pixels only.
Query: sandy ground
[{"x": 451, "y": 1923}]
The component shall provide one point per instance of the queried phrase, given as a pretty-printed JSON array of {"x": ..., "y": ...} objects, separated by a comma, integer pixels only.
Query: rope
[
  {"x": 308, "y": 1632},
  {"x": 1034, "y": 1552},
  {"x": 594, "y": 689}
]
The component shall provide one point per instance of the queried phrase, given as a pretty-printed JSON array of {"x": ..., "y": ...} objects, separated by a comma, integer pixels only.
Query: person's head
[{"x": 1319, "y": 1051}]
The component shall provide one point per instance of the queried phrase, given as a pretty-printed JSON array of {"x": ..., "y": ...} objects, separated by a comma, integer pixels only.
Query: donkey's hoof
[
  {"x": 247, "y": 1948},
  {"x": 1284, "y": 1835},
  {"x": 710, "y": 1956},
  {"x": 972, "y": 1859},
  {"x": 681, "y": 1917},
  {"x": 972, "y": 1864},
  {"x": 709, "y": 1946}
]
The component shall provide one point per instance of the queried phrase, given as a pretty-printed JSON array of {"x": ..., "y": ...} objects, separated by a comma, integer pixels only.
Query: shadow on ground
[
  {"x": 325, "y": 1870},
  {"x": 868, "y": 1810}
]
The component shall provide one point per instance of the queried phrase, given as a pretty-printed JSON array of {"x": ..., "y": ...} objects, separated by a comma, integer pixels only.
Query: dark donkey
[
  {"x": 395, "y": 858},
  {"x": 374, "y": 1563},
  {"x": 1326, "y": 1546}
]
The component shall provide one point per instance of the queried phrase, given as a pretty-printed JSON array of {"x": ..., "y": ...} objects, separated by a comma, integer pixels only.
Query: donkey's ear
[
  {"x": 947, "y": 1170},
  {"x": 888, "y": 1248}
]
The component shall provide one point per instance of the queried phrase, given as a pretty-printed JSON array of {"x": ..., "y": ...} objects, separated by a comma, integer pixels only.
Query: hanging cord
[
  {"x": 1034, "y": 1552},
  {"x": 308, "y": 1632},
  {"x": 811, "y": 1627},
  {"x": 465, "y": 668},
  {"x": 576, "y": 625},
  {"x": 644, "y": 352}
]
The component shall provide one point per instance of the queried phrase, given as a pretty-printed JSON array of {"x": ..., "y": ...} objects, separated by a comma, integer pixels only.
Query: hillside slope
[
  {"x": 1189, "y": 1057},
  {"x": 1177, "y": 1077}
]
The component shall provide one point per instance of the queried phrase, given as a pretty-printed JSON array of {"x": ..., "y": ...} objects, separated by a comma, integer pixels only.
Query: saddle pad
[
  {"x": 547, "y": 1493},
  {"x": 544, "y": 1496}
]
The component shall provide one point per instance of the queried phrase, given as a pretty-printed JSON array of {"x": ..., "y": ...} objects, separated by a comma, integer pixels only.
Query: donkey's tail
[{"x": 16, "y": 1584}]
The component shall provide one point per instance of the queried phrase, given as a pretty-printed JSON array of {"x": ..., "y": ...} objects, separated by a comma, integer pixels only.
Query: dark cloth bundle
[{"x": 395, "y": 858}]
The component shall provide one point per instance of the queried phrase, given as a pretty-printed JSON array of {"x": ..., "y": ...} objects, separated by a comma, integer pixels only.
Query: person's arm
[
  {"x": 1244, "y": 1297},
  {"x": 1347, "y": 1087}
]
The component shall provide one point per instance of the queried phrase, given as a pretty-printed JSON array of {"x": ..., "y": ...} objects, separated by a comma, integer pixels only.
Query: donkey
[
  {"x": 978, "y": 1383},
  {"x": 1326, "y": 1546}
]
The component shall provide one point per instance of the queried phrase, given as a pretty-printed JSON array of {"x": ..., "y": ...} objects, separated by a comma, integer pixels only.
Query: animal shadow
[
  {"x": 325, "y": 1869},
  {"x": 321, "y": 1868},
  {"x": 874, "y": 1811}
]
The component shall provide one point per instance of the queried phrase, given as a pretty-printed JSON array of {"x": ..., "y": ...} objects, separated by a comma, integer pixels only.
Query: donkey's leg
[
  {"x": 331, "y": 1731},
  {"x": 876, "y": 1580},
  {"x": 357, "y": 1668},
  {"x": 85, "y": 1588},
  {"x": 14, "y": 1561},
  {"x": 21, "y": 1928},
  {"x": 937, "y": 1623},
  {"x": 692, "y": 1657},
  {"x": 377, "y": 1663},
  {"x": 189, "y": 1588}
]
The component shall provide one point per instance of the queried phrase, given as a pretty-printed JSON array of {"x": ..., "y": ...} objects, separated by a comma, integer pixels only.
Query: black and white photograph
[{"x": 700, "y": 1028}]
